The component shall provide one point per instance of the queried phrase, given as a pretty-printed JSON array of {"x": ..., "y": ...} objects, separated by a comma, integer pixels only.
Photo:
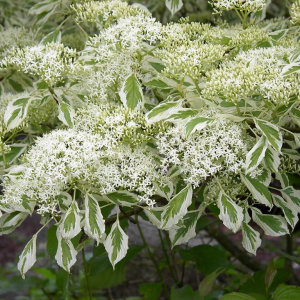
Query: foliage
[{"x": 106, "y": 114}]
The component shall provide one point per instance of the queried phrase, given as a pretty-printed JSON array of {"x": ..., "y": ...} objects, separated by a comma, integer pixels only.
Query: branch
[{"x": 236, "y": 251}]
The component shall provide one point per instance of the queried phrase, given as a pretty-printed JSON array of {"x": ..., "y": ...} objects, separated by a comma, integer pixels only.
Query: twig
[
  {"x": 151, "y": 256},
  {"x": 86, "y": 274}
]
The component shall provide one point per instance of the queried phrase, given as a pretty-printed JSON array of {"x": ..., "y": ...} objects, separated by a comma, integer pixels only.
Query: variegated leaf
[
  {"x": 52, "y": 37},
  {"x": 163, "y": 111},
  {"x": 154, "y": 215},
  {"x": 28, "y": 256},
  {"x": 271, "y": 132},
  {"x": 292, "y": 195},
  {"x": 283, "y": 178},
  {"x": 256, "y": 154},
  {"x": 165, "y": 191},
  {"x": 182, "y": 234},
  {"x": 177, "y": 208},
  {"x": 181, "y": 115},
  {"x": 198, "y": 123},
  {"x": 123, "y": 198},
  {"x": 265, "y": 177},
  {"x": 64, "y": 201},
  {"x": 230, "y": 213},
  {"x": 289, "y": 209},
  {"x": 10, "y": 221},
  {"x": 66, "y": 112},
  {"x": 271, "y": 224},
  {"x": 70, "y": 224},
  {"x": 16, "y": 112},
  {"x": 174, "y": 5},
  {"x": 258, "y": 190},
  {"x": 116, "y": 244},
  {"x": 271, "y": 159},
  {"x": 251, "y": 240},
  {"x": 94, "y": 223},
  {"x": 66, "y": 253}
]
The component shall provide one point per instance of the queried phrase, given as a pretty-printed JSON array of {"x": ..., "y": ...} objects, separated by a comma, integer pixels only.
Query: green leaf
[
  {"x": 151, "y": 291},
  {"x": 295, "y": 114},
  {"x": 271, "y": 224},
  {"x": 62, "y": 282},
  {"x": 270, "y": 274},
  {"x": 230, "y": 213},
  {"x": 163, "y": 111},
  {"x": 206, "y": 285},
  {"x": 16, "y": 112},
  {"x": 289, "y": 209},
  {"x": 256, "y": 154},
  {"x": 52, "y": 242},
  {"x": 52, "y": 37},
  {"x": 16, "y": 150},
  {"x": 94, "y": 225},
  {"x": 208, "y": 258},
  {"x": 286, "y": 292},
  {"x": 28, "y": 256},
  {"x": 258, "y": 190},
  {"x": 122, "y": 198},
  {"x": 177, "y": 207},
  {"x": 131, "y": 93},
  {"x": 116, "y": 243},
  {"x": 251, "y": 240},
  {"x": 186, "y": 292},
  {"x": 187, "y": 230},
  {"x": 237, "y": 296},
  {"x": 157, "y": 66},
  {"x": 158, "y": 83},
  {"x": 66, "y": 253},
  {"x": 271, "y": 132},
  {"x": 174, "y": 5},
  {"x": 196, "y": 124},
  {"x": 70, "y": 224},
  {"x": 16, "y": 86}
]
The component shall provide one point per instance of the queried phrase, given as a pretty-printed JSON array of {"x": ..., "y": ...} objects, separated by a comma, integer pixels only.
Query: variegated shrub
[{"x": 107, "y": 108}]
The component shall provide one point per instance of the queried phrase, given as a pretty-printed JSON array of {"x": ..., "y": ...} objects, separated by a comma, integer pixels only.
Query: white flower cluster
[
  {"x": 15, "y": 37},
  {"x": 254, "y": 72},
  {"x": 95, "y": 156},
  {"x": 191, "y": 58},
  {"x": 249, "y": 37},
  {"x": 231, "y": 183},
  {"x": 51, "y": 62},
  {"x": 116, "y": 125},
  {"x": 106, "y": 12},
  {"x": 243, "y": 5},
  {"x": 67, "y": 158},
  {"x": 295, "y": 12},
  {"x": 220, "y": 148},
  {"x": 114, "y": 54}
]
